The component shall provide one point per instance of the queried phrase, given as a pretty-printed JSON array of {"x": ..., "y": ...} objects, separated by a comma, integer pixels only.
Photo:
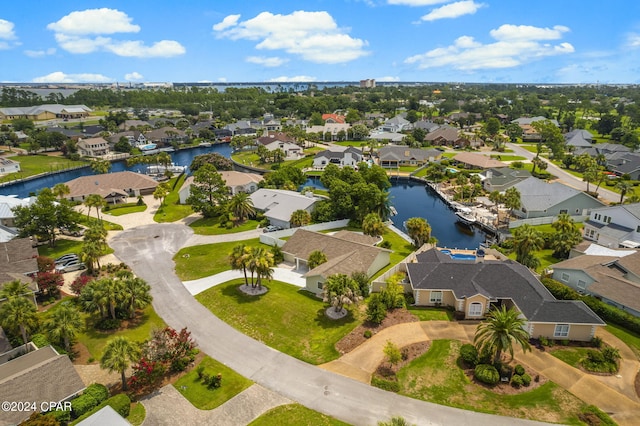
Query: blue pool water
[{"x": 459, "y": 256}]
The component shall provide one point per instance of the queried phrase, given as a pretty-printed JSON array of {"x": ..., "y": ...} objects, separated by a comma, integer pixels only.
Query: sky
[{"x": 474, "y": 41}]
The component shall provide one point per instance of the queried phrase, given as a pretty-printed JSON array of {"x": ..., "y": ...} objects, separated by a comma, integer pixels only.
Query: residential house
[
  {"x": 394, "y": 156},
  {"x": 427, "y": 126},
  {"x": 92, "y": 130},
  {"x": 446, "y": 135},
  {"x": 472, "y": 160},
  {"x": 547, "y": 199},
  {"x": 166, "y": 136},
  {"x": 18, "y": 261},
  {"x": 7, "y": 204},
  {"x": 396, "y": 124},
  {"x": 7, "y": 165},
  {"x": 388, "y": 137},
  {"x": 281, "y": 141},
  {"x": 113, "y": 187},
  {"x": 528, "y": 132},
  {"x": 134, "y": 137},
  {"x": 612, "y": 279},
  {"x": 347, "y": 252},
  {"x": 272, "y": 125},
  {"x": 134, "y": 124},
  {"x": 624, "y": 163},
  {"x": 473, "y": 288},
  {"x": 42, "y": 376},
  {"x": 236, "y": 182},
  {"x": 278, "y": 204},
  {"x": 334, "y": 118},
  {"x": 615, "y": 226},
  {"x": 74, "y": 134},
  {"x": 338, "y": 155},
  {"x": 93, "y": 147},
  {"x": 501, "y": 178},
  {"x": 45, "y": 112},
  {"x": 242, "y": 128},
  {"x": 578, "y": 138}
]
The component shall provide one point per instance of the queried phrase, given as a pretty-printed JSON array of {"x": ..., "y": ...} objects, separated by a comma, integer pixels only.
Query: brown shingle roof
[
  {"x": 356, "y": 237},
  {"x": 17, "y": 258},
  {"x": 478, "y": 160},
  {"x": 104, "y": 184}
]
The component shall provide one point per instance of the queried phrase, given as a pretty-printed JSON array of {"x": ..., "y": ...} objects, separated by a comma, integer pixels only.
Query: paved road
[
  {"x": 565, "y": 177},
  {"x": 149, "y": 250}
]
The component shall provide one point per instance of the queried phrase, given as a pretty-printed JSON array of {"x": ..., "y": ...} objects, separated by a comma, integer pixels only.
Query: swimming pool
[{"x": 459, "y": 256}]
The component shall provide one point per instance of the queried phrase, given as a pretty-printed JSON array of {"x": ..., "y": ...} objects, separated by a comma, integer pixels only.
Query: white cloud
[
  {"x": 6, "y": 30},
  {"x": 133, "y": 76},
  {"x": 453, "y": 10},
  {"x": 40, "y": 53},
  {"x": 515, "y": 45},
  {"x": 388, "y": 78},
  {"x": 94, "y": 21},
  {"x": 82, "y": 32},
  {"x": 633, "y": 40},
  {"x": 415, "y": 3},
  {"x": 273, "y": 61},
  {"x": 314, "y": 36},
  {"x": 229, "y": 21},
  {"x": 297, "y": 78},
  {"x": 60, "y": 77}
]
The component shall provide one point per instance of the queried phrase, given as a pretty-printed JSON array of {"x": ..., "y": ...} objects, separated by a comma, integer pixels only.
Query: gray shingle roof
[{"x": 537, "y": 195}]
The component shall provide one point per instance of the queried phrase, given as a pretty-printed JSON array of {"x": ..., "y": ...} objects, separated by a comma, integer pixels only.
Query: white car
[
  {"x": 71, "y": 265},
  {"x": 66, "y": 258}
]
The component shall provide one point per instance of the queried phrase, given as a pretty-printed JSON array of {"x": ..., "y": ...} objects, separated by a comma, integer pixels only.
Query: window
[
  {"x": 564, "y": 277},
  {"x": 475, "y": 309},
  {"x": 435, "y": 297},
  {"x": 564, "y": 211},
  {"x": 320, "y": 285},
  {"x": 582, "y": 285},
  {"x": 562, "y": 330}
]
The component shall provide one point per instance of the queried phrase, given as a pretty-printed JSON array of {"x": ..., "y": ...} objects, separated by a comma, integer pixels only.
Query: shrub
[
  {"x": 611, "y": 355},
  {"x": 79, "y": 283},
  {"x": 200, "y": 371},
  {"x": 519, "y": 370},
  {"x": 83, "y": 404},
  {"x": 388, "y": 385},
  {"x": 213, "y": 381},
  {"x": 486, "y": 374},
  {"x": 367, "y": 334},
  {"x": 40, "y": 340},
  {"x": 376, "y": 309},
  {"x": 595, "y": 356},
  {"x": 565, "y": 342},
  {"x": 108, "y": 324},
  {"x": 516, "y": 381},
  {"x": 179, "y": 364},
  {"x": 385, "y": 244},
  {"x": 596, "y": 342},
  {"x": 62, "y": 416},
  {"x": 544, "y": 341},
  {"x": 98, "y": 391},
  {"x": 526, "y": 379},
  {"x": 409, "y": 299},
  {"x": 469, "y": 354}
]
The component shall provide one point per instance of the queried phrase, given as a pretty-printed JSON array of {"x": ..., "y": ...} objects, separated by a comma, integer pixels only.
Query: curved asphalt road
[{"x": 149, "y": 250}]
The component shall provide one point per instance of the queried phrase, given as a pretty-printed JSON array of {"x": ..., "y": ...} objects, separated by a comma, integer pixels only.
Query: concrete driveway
[{"x": 149, "y": 251}]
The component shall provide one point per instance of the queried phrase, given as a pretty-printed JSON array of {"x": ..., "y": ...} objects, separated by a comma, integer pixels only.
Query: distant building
[
  {"x": 368, "y": 83},
  {"x": 93, "y": 147},
  {"x": 7, "y": 165},
  {"x": 340, "y": 156},
  {"x": 45, "y": 112}
]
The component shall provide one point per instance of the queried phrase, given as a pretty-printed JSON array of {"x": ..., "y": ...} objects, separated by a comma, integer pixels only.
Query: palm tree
[
  {"x": 64, "y": 323},
  {"x": 161, "y": 192},
  {"x": 373, "y": 225},
  {"x": 15, "y": 288},
  {"x": 623, "y": 186},
  {"x": 512, "y": 200},
  {"x": 300, "y": 218},
  {"x": 94, "y": 201},
  {"x": 19, "y": 313},
  {"x": 94, "y": 245},
  {"x": 340, "y": 289},
  {"x": 137, "y": 294},
  {"x": 260, "y": 262},
  {"x": 527, "y": 239},
  {"x": 118, "y": 354},
  {"x": 101, "y": 166},
  {"x": 496, "y": 198},
  {"x": 60, "y": 190},
  {"x": 92, "y": 299},
  {"x": 500, "y": 331},
  {"x": 241, "y": 206},
  {"x": 316, "y": 258},
  {"x": 239, "y": 260},
  {"x": 419, "y": 230}
]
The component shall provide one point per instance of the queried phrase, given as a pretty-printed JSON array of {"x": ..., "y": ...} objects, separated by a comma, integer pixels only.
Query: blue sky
[{"x": 493, "y": 41}]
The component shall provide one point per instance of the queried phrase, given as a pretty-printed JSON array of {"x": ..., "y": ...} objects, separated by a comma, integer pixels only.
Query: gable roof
[
  {"x": 344, "y": 256},
  {"x": 339, "y": 152},
  {"x": 403, "y": 153},
  {"x": 9, "y": 202},
  {"x": 447, "y": 133},
  {"x": 496, "y": 280},
  {"x": 107, "y": 183},
  {"x": 538, "y": 195},
  {"x": 41, "y": 375},
  {"x": 279, "y": 203},
  {"x": 336, "y": 118},
  {"x": 478, "y": 160},
  {"x": 528, "y": 120},
  {"x": 17, "y": 259},
  {"x": 502, "y": 176}
]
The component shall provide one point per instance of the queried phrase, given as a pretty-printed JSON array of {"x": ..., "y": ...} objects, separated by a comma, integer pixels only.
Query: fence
[
  {"x": 273, "y": 238},
  {"x": 542, "y": 220}
]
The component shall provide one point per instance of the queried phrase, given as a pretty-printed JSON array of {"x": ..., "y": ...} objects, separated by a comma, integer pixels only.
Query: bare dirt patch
[{"x": 356, "y": 337}]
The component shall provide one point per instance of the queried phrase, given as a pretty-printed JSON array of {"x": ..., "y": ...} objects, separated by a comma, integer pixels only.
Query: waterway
[{"x": 410, "y": 198}]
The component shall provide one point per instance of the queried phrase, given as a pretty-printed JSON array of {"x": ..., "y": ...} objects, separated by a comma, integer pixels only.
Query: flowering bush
[
  {"x": 79, "y": 283},
  {"x": 50, "y": 282},
  {"x": 146, "y": 375}
]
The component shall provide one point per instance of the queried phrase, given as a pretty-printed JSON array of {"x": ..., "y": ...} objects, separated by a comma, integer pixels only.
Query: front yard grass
[
  {"x": 436, "y": 377},
  {"x": 203, "y": 398},
  {"x": 286, "y": 318},
  {"x": 431, "y": 314},
  {"x": 208, "y": 259},
  {"x": 31, "y": 165},
  {"x": 211, "y": 226},
  {"x": 295, "y": 414},
  {"x": 171, "y": 210},
  {"x": 64, "y": 246},
  {"x": 137, "y": 414},
  {"x": 630, "y": 338},
  {"x": 121, "y": 211}
]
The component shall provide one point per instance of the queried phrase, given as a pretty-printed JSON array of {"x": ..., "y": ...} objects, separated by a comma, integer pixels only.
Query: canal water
[{"x": 410, "y": 198}]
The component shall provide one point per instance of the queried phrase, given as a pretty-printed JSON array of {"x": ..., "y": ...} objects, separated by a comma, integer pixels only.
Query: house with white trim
[
  {"x": 278, "y": 204},
  {"x": 615, "y": 226},
  {"x": 339, "y": 155},
  {"x": 7, "y": 165}
]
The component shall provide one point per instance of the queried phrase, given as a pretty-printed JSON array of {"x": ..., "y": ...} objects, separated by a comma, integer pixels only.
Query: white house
[
  {"x": 93, "y": 147},
  {"x": 278, "y": 204},
  {"x": 338, "y": 155},
  {"x": 616, "y": 226},
  {"x": 7, "y": 204},
  {"x": 7, "y": 165}
]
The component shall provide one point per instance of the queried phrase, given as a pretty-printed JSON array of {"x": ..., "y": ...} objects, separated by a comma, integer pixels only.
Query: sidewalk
[{"x": 283, "y": 274}]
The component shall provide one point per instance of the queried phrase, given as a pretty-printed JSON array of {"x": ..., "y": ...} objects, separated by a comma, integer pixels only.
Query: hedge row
[
  {"x": 605, "y": 311},
  {"x": 121, "y": 403}
]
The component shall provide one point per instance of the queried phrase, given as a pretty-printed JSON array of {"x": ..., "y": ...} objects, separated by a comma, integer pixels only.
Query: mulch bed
[
  {"x": 409, "y": 353},
  {"x": 356, "y": 337}
]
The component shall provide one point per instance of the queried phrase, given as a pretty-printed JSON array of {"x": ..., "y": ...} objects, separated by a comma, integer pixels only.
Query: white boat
[
  {"x": 393, "y": 211},
  {"x": 465, "y": 215},
  {"x": 157, "y": 169}
]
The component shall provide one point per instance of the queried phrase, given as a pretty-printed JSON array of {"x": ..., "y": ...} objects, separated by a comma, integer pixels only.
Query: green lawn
[
  {"x": 204, "y": 398},
  {"x": 172, "y": 210},
  {"x": 436, "y": 377},
  {"x": 357, "y": 144},
  {"x": 431, "y": 314},
  {"x": 31, "y": 165},
  {"x": 503, "y": 157},
  {"x": 401, "y": 249},
  {"x": 295, "y": 414},
  {"x": 137, "y": 414},
  {"x": 91, "y": 221},
  {"x": 208, "y": 259},
  {"x": 571, "y": 356},
  {"x": 139, "y": 331},
  {"x": 64, "y": 246},
  {"x": 286, "y": 318},
  {"x": 545, "y": 256},
  {"x": 121, "y": 211},
  {"x": 629, "y": 337},
  {"x": 250, "y": 158},
  {"x": 211, "y": 226}
]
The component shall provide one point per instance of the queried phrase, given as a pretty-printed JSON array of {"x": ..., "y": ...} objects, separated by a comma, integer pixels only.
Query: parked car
[
  {"x": 74, "y": 232},
  {"x": 71, "y": 265},
  {"x": 66, "y": 258},
  {"x": 271, "y": 228}
]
